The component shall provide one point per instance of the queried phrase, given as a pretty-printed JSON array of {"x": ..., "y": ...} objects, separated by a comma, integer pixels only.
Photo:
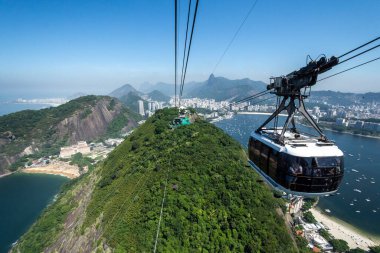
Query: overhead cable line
[
  {"x": 262, "y": 93},
  {"x": 257, "y": 95},
  {"x": 175, "y": 52},
  {"x": 251, "y": 97},
  {"x": 365, "y": 44},
  {"x": 189, "y": 47},
  {"x": 235, "y": 35},
  {"x": 349, "y": 69},
  {"x": 262, "y": 100},
  {"x": 135, "y": 191},
  {"x": 161, "y": 211},
  {"x": 259, "y": 101},
  {"x": 366, "y": 51},
  {"x": 184, "y": 49}
]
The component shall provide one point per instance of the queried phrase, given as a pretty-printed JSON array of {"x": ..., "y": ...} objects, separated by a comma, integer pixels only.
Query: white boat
[
  {"x": 354, "y": 170},
  {"x": 327, "y": 210},
  {"x": 368, "y": 200},
  {"x": 357, "y": 190},
  {"x": 350, "y": 154},
  {"x": 351, "y": 204},
  {"x": 357, "y": 211}
]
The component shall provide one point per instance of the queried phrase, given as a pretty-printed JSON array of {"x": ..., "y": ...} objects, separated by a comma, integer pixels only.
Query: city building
[{"x": 141, "y": 107}]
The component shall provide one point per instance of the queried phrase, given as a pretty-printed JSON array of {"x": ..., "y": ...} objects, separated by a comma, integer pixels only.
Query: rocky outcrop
[
  {"x": 80, "y": 128},
  {"x": 6, "y": 161}
]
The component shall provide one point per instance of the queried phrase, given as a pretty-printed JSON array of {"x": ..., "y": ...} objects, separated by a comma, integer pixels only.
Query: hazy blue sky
[{"x": 54, "y": 46}]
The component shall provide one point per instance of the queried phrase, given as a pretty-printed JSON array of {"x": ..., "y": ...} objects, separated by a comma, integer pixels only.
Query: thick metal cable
[
  {"x": 188, "y": 51},
  {"x": 161, "y": 211},
  {"x": 175, "y": 52},
  {"x": 359, "y": 47},
  {"x": 262, "y": 93},
  {"x": 366, "y": 51},
  {"x": 184, "y": 49},
  {"x": 349, "y": 69}
]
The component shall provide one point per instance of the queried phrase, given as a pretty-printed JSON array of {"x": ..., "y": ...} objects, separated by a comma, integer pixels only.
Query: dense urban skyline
[{"x": 96, "y": 46}]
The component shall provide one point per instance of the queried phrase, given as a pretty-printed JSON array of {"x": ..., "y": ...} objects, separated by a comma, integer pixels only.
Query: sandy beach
[
  {"x": 341, "y": 231},
  {"x": 6, "y": 174},
  {"x": 56, "y": 168}
]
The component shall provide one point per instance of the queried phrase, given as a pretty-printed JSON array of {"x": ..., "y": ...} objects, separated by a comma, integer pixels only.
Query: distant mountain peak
[
  {"x": 221, "y": 88},
  {"x": 123, "y": 90},
  {"x": 211, "y": 80}
]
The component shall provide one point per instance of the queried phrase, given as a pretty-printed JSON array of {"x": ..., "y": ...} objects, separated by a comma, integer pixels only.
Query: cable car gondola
[{"x": 294, "y": 162}]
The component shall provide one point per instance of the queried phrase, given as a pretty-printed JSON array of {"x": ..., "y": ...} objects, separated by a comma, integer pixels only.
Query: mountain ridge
[
  {"x": 123, "y": 90},
  {"x": 221, "y": 88},
  {"x": 43, "y": 132}
]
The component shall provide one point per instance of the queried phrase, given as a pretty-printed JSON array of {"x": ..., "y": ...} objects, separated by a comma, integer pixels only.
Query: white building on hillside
[
  {"x": 141, "y": 108},
  {"x": 80, "y": 147}
]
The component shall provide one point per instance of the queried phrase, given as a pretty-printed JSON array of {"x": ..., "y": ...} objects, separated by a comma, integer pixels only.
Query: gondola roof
[{"x": 301, "y": 145}]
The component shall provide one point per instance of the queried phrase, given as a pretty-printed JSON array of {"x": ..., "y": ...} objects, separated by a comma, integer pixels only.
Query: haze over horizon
[{"x": 53, "y": 47}]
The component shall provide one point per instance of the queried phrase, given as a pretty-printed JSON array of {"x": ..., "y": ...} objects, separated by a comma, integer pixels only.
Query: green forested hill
[
  {"x": 44, "y": 131},
  {"x": 214, "y": 203}
]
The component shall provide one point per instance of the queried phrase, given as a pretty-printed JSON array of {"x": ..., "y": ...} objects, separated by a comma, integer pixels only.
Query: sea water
[
  {"x": 22, "y": 199},
  {"x": 357, "y": 201},
  {"x": 11, "y": 107}
]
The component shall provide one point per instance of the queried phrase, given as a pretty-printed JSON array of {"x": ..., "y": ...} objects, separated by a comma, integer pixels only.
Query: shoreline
[
  {"x": 340, "y": 229},
  {"x": 345, "y": 132},
  {"x": 57, "y": 168},
  {"x": 47, "y": 172},
  {"x": 6, "y": 174},
  {"x": 323, "y": 127},
  {"x": 259, "y": 113}
]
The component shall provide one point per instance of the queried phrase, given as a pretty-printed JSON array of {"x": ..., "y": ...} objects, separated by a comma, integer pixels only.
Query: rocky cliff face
[
  {"x": 80, "y": 128},
  {"x": 83, "y": 119}
]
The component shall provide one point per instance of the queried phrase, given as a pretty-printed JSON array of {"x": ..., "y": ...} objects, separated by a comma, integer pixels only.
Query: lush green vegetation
[
  {"x": 213, "y": 201},
  {"x": 357, "y": 250},
  {"x": 82, "y": 161},
  {"x": 309, "y": 217},
  {"x": 302, "y": 244},
  {"x": 308, "y": 203},
  {"x": 39, "y": 125},
  {"x": 119, "y": 122},
  {"x": 375, "y": 249},
  {"x": 339, "y": 245},
  {"x": 326, "y": 234}
]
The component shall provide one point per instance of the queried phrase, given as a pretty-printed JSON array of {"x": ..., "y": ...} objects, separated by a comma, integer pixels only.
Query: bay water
[
  {"x": 357, "y": 201},
  {"x": 22, "y": 199}
]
